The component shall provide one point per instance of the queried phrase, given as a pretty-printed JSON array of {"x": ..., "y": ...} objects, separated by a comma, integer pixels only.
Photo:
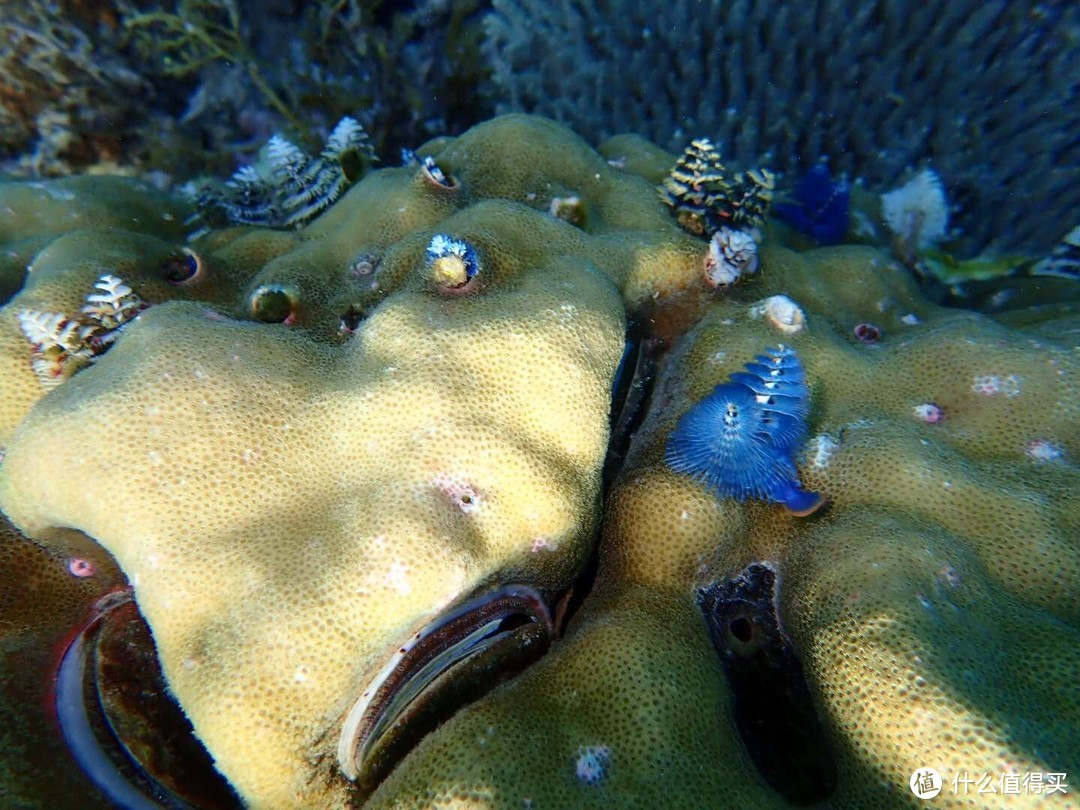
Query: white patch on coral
[
  {"x": 917, "y": 212},
  {"x": 301, "y": 674},
  {"x": 991, "y": 385},
  {"x": 911, "y": 319},
  {"x": 397, "y": 578},
  {"x": 781, "y": 312},
  {"x": 822, "y": 448},
  {"x": 986, "y": 385},
  {"x": 1043, "y": 451},
  {"x": 591, "y": 764}
]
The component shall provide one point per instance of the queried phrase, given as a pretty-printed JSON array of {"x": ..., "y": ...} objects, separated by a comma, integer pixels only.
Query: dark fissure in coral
[
  {"x": 771, "y": 702},
  {"x": 123, "y": 726},
  {"x": 630, "y": 395}
]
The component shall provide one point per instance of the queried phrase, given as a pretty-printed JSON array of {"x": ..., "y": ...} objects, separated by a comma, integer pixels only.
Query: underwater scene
[{"x": 539, "y": 405}]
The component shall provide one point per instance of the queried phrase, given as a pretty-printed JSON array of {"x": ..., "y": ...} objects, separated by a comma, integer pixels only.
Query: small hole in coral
[
  {"x": 351, "y": 320},
  {"x": 273, "y": 304},
  {"x": 182, "y": 266},
  {"x": 867, "y": 332},
  {"x": 742, "y": 629}
]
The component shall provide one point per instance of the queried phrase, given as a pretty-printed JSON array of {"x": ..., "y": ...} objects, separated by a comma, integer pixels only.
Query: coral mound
[
  {"x": 888, "y": 595},
  {"x": 350, "y": 442}
]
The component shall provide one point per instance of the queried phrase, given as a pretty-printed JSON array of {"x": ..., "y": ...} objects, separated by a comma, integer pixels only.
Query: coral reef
[
  {"x": 499, "y": 462},
  {"x": 356, "y": 480},
  {"x": 982, "y": 91},
  {"x": 911, "y": 602}
]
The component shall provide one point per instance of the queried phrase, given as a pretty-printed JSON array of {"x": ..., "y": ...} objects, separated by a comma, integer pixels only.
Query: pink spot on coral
[
  {"x": 867, "y": 332},
  {"x": 929, "y": 413},
  {"x": 542, "y": 543},
  {"x": 80, "y": 567},
  {"x": 460, "y": 492}
]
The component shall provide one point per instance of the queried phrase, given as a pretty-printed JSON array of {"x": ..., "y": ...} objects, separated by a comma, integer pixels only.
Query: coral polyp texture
[{"x": 354, "y": 476}]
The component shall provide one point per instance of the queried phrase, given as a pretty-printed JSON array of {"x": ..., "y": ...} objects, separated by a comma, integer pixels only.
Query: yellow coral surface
[
  {"x": 932, "y": 602},
  {"x": 290, "y": 500}
]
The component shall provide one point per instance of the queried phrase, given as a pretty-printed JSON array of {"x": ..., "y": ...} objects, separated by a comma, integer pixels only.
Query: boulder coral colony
[{"x": 329, "y": 460}]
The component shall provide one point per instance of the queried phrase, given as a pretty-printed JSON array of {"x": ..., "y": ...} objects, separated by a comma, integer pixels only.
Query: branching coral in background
[
  {"x": 200, "y": 32},
  {"x": 242, "y": 70},
  {"x": 985, "y": 91},
  {"x": 66, "y": 98}
]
